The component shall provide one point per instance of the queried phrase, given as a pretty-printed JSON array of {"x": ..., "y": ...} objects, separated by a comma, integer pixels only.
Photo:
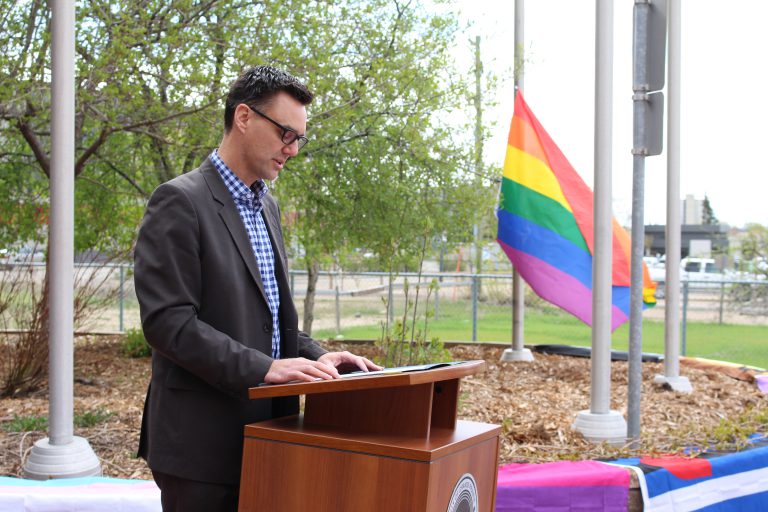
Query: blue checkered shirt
[{"x": 248, "y": 202}]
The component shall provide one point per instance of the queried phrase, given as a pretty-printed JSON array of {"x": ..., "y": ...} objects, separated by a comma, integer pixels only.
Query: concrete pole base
[
  {"x": 75, "y": 459},
  {"x": 511, "y": 354},
  {"x": 679, "y": 384},
  {"x": 596, "y": 428}
]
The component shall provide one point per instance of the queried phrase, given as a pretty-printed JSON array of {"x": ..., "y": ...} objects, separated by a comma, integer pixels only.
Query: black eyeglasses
[{"x": 289, "y": 135}]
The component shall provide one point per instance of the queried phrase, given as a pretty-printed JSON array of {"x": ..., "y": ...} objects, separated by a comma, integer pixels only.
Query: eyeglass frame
[{"x": 301, "y": 139}]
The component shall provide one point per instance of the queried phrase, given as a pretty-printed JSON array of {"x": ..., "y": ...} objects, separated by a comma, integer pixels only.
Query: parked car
[
  {"x": 27, "y": 253},
  {"x": 700, "y": 272}
]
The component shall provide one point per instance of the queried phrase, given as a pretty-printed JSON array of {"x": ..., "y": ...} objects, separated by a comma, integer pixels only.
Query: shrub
[
  {"x": 24, "y": 320},
  {"x": 405, "y": 341},
  {"x": 135, "y": 345}
]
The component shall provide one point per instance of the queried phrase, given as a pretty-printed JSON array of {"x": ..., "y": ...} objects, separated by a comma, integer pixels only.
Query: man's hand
[
  {"x": 299, "y": 369},
  {"x": 347, "y": 362},
  {"x": 325, "y": 368}
]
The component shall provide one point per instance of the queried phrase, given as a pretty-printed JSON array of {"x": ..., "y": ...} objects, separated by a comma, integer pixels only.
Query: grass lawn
[{"x": 745, "y": 344}]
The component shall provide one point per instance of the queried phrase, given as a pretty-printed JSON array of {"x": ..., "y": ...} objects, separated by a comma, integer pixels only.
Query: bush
[
  {"x": 24, "y": 308},
  {"x": 135, "y": 345},
  {"x": 405, "y": 341},
  {"x": 24, "y": 322}
]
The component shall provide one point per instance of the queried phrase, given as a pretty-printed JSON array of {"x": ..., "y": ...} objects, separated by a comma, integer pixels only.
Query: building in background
[
  {"x": 692, "y": 210},
  {"x": 702, "y": 235}
]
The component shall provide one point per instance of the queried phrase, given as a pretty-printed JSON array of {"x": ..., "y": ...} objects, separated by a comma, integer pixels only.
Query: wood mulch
[{"x": 535, "y": 403}]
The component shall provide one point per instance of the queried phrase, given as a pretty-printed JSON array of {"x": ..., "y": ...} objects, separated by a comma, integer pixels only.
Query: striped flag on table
[{"x": 722, "y": 482}]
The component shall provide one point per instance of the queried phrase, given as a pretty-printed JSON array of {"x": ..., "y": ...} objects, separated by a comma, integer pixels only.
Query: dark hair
[{"x": 257, "y": 85}]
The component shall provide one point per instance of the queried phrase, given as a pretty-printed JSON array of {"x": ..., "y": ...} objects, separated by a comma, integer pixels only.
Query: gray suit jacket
[{"x": 205, "y": 314}]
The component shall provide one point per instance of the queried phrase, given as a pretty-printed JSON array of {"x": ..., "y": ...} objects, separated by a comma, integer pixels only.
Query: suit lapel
[
  {"x": 288, "y": 316},
  {"x": 231, "y": 218},
  {"x": 272, "y": 219}
]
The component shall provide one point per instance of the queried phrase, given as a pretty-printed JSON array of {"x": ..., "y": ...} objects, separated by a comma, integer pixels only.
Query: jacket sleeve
[
  {"x": 308, "y": 347},
  {"x": 168, "y": 280}
]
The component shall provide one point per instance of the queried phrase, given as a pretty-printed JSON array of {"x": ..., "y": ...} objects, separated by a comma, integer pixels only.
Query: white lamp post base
[
  {"x": 679, "y": 384},
  {"x": 75, "y": 459},
  {"x": 511, "y": 354},
  {"x": 596, "y": 428}
]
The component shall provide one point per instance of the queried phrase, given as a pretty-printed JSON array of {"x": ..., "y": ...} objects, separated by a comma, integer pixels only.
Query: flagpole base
[
  {"x": 679, "y": 384},
  {"x": 597, "y": 428},
  {"x": 511, "y": 354},
  {"x": 74, "y": 459}
]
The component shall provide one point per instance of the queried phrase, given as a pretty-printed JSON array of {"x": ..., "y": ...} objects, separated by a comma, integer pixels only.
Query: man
[{"x": 211, "y": 279}]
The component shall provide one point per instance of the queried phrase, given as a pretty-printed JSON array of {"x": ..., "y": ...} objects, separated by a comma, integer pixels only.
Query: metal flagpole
[
  {"x": 518, "y": 352},
  {"x": 671, "y": 375},
  {"x": 600, "y": 423},
  {"x": 650, "y": 34},
  {"x": 61, "y": 455},
  {"x": 639, "y": 151}
]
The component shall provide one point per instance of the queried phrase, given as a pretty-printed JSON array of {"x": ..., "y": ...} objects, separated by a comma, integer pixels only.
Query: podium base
[
  {"x": 597, "y": 428},
  {"x": 290, "y": 466}
]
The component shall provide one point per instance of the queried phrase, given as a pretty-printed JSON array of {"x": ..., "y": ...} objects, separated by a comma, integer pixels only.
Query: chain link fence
[{"x": 346, "y": 299}]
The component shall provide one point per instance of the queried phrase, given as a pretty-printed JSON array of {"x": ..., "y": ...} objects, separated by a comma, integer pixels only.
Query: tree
[
  {"x": 386, "y": 171},
  {"x": 151, "y": 76},
  {"x": 707, "y": 215},
  {"x": 754, "y": 249},
  {"x": 144, "y": 69}
]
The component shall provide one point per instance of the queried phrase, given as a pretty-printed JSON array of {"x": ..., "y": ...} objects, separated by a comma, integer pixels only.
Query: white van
[{"x": 700, "y": 271}]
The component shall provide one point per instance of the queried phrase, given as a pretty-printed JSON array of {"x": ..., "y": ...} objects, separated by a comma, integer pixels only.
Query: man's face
[{"x": 265, "y": 153}]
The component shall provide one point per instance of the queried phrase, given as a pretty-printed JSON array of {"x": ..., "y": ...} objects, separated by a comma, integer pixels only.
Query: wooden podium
[{"x": 388, "y": 442}]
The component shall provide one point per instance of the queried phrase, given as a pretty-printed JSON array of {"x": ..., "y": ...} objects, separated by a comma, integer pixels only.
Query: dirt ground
[{"x": 535, "y": 403}]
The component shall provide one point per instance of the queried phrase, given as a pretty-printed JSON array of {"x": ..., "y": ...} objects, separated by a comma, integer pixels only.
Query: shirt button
[{"x": 267, "y": 328}]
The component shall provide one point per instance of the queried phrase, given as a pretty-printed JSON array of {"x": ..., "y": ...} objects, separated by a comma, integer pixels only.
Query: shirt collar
[{"x": 239, "y": 190}]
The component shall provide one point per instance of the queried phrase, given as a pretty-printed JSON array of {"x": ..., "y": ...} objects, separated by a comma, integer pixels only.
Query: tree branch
[
  {"x": 336, "y": 143},
  {"x": 120, "y": 173},
  {"x": 90, "y": 150},
  {"x": 34, "y": 143},
  {"x": 150, "y": 122}
]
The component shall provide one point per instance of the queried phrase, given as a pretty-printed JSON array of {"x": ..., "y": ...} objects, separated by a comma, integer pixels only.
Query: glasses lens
[{"x": 289, "y": 137}]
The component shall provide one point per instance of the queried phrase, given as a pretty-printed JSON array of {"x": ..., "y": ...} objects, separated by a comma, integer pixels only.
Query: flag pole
[
  {"x": 600, "y": 423},
  {"x": 518, "y": 352},
  {"x": 639, "y": 152},
  {"x": 671, "y": 375},
  {"x": 61, "y": 454}
]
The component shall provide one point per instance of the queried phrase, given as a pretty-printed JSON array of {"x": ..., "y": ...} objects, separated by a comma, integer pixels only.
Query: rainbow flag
[
  {"x": 546, "y": 225},
  {"x": 562, "y": 486}
]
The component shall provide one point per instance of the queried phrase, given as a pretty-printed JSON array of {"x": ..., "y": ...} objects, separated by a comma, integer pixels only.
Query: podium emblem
[{"x": 464, "y": 497}]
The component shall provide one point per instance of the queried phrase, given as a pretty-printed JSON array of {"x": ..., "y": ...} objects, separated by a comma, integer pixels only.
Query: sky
[{"x": 724, "y": 101}]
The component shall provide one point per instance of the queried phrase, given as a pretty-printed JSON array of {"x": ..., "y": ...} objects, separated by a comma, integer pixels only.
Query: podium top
[{"x": 388, "y": 378}]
